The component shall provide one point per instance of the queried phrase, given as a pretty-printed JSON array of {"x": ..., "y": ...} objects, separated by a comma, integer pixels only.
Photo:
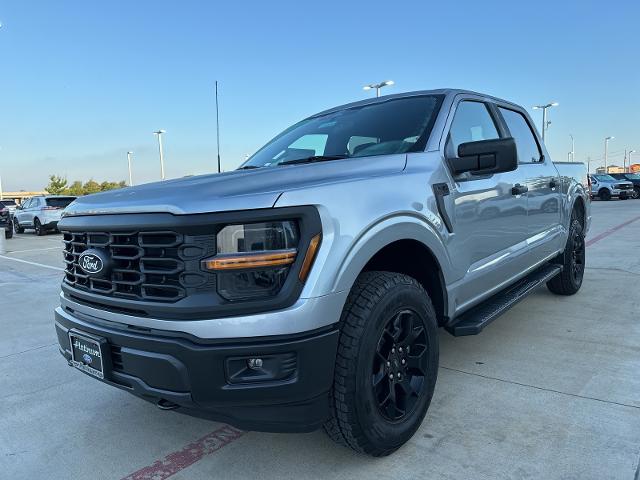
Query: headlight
[{"x": 253, "y": 260}]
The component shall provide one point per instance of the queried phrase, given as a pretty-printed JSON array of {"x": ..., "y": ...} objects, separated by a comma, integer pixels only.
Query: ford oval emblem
[
  {"x": 90, "y": 263},
  {"x": 87, "y": 358}
]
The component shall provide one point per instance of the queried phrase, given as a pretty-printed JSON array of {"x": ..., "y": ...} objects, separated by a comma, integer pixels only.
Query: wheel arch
[{"x": 411, "y": 247}]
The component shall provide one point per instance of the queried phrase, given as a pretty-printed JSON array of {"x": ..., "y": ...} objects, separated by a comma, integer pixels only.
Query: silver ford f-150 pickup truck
[{"x": 305, "y": 289}]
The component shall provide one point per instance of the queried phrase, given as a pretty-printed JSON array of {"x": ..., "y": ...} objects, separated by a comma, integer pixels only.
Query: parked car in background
[
  {"x": 5, "y": 221},
  {"x": 605, "y": 187},
  {"x": 10, "y": 203},
  {"x": 634, "y": 178},
  {"x": 40, "y": 213}
]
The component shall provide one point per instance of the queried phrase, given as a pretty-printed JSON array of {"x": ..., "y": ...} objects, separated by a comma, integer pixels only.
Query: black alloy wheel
[{"x": 400, "y": 365}]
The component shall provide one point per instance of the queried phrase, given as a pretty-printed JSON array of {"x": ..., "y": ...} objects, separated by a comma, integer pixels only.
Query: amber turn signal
[
  {"x": 251, "y": 260},
  {"x": 309, "y": 257}
]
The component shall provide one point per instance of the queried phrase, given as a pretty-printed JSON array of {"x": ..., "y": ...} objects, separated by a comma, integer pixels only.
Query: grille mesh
[{"x": 160, "y": 266}]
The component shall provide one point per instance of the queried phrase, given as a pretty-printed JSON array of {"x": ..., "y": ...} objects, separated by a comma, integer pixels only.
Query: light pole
[
  {"x": 573, "y": 149},
  {"x": 606, "y": 153},
  {"x": 628, "y": 169},
  {"x": 544, "y": 108},
  {"x": 378, "y": 86},
  {"x": 129, "y": 161},
  {"x": 159, "y": 134}
]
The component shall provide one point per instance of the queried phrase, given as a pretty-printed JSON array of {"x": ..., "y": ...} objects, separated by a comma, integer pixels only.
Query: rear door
[
  {"x": 489, "y": 219},
  {"x": 543, "y": 183}
]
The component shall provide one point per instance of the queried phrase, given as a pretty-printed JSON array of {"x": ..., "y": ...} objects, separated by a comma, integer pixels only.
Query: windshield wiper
[
  {"x": 314, "y": 158},
  {"x": 248, "y": 167}
]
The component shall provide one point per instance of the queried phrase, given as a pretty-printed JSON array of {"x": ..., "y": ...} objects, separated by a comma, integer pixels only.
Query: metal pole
[
  {"x": 573, "y": 149},
  {"x": 159, "y": 134},
  {"x": 1, "y": 192},
  {"x": 588, "y": 165},
  {"x": 606, "y": 144},
  {"x": 218, "y": 128},
  {"x": 130, "y": 176},
  {"x": 544, "y": 121},
  {"x": 378, "y": 92}
]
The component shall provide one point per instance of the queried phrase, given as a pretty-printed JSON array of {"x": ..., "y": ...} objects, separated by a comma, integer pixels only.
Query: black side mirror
[{"x": 486, "y": 157}]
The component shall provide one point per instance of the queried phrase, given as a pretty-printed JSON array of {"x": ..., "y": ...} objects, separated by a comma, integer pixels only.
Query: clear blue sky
[{"x": 82, "y": 82}]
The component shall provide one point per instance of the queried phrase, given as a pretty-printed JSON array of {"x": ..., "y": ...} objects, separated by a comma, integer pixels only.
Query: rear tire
[
  {"x": 389, "y": 329},
  {"x": 572, "y": 259},
  {"x": 16, "y": 227},
  {"x": 604, "y": 194},
  {"x": 39, "y": 231}
]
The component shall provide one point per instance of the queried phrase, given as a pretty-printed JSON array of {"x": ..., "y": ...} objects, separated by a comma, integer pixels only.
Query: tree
[
  {"x": 91, "y": 187},
  {"x": 75, "y": 189},
  {"x": 57, "y": 185}
]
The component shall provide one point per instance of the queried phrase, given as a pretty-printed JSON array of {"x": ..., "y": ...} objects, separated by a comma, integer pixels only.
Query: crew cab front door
[{"x": 490, "y": 212}]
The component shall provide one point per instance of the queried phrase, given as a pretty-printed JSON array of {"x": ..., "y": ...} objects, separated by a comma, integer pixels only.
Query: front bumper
[{"x": 206, "y": 377}]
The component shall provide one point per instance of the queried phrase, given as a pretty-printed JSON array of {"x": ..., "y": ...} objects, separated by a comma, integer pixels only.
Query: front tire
[
  {"x": 572, "y": 259},
  {"x": 16, "y": 226},
  {"x": 386, "y": 366},
  {"x": 604, "y": 194},
  {"x": 8, "y": 233},
  {"x": 39, "y": 231},
  {"x": 636, "y": 193}
]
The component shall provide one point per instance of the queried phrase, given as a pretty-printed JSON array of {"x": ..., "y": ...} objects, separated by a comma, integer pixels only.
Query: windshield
[
  {"x": 394, "y": 126},
  {"x": 59, "y": 202},
  {"x": 8, "y": 203},
  {"x": 604, "y": 178},
  {"x": 633, "y": 176}
]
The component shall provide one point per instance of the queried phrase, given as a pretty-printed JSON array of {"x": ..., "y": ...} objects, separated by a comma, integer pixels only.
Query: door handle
[{"x": 519, "y": 189}]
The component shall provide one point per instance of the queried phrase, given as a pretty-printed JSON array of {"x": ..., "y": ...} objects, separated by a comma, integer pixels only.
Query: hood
[{"x": 236, "y": 190}]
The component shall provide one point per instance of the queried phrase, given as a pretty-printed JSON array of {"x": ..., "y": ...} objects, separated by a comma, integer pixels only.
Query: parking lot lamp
[
  {"x": 606, "y": 152},
  {"x": 159, "y": 134},
  {"x": 129, "y": 161},
  {"x": 378, "y": 86},
  {"x": 544, "y": 108},
  {"x": 627, "y": 169},
  {"x": 573, "y": 149}
]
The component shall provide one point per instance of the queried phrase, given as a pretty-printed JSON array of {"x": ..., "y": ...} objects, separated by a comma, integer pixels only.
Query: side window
[
  {"x": 472, "y": 122},
  {"x": 26, "y": 204},
  {"x": 520, "y": 130}
]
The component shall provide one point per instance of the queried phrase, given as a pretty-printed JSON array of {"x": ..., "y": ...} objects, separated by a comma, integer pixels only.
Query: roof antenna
[{"x": 217, "y": 128}]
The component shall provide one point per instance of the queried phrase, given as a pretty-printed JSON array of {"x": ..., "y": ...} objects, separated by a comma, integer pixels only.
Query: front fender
[{"x": 383, "y": 233}]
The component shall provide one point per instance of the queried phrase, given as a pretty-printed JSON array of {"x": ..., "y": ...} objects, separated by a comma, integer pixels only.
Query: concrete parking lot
[{"x": 551, "y": 390}]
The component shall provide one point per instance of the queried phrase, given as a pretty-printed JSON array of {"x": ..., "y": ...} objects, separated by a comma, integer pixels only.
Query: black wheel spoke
[{"x": 400, "y": 364}]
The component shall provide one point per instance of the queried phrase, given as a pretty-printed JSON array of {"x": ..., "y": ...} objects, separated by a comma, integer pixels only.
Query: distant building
[
  {"x": 635, "y": 168},
  {"x": 610, "y": 169}
]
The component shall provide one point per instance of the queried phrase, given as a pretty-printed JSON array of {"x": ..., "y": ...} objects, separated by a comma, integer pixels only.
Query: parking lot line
[
  {"x": 605, "y": 234},
  {"x": 32, "y": 263},
  {"x": 34, "y": 250},
  {"x": 190, "y": 454}
]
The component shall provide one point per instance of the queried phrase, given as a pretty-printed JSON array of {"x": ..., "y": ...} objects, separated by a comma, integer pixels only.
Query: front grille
[
  {"x": 159, "y": 266},
  {"x": 624, "y": 186}
]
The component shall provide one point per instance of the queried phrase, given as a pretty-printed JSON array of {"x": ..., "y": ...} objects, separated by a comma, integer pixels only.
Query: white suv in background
[{"x": 40, "y": 213}]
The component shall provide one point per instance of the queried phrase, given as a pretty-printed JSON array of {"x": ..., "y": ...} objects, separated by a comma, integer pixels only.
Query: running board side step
[{"x": 473, "y": 321}]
